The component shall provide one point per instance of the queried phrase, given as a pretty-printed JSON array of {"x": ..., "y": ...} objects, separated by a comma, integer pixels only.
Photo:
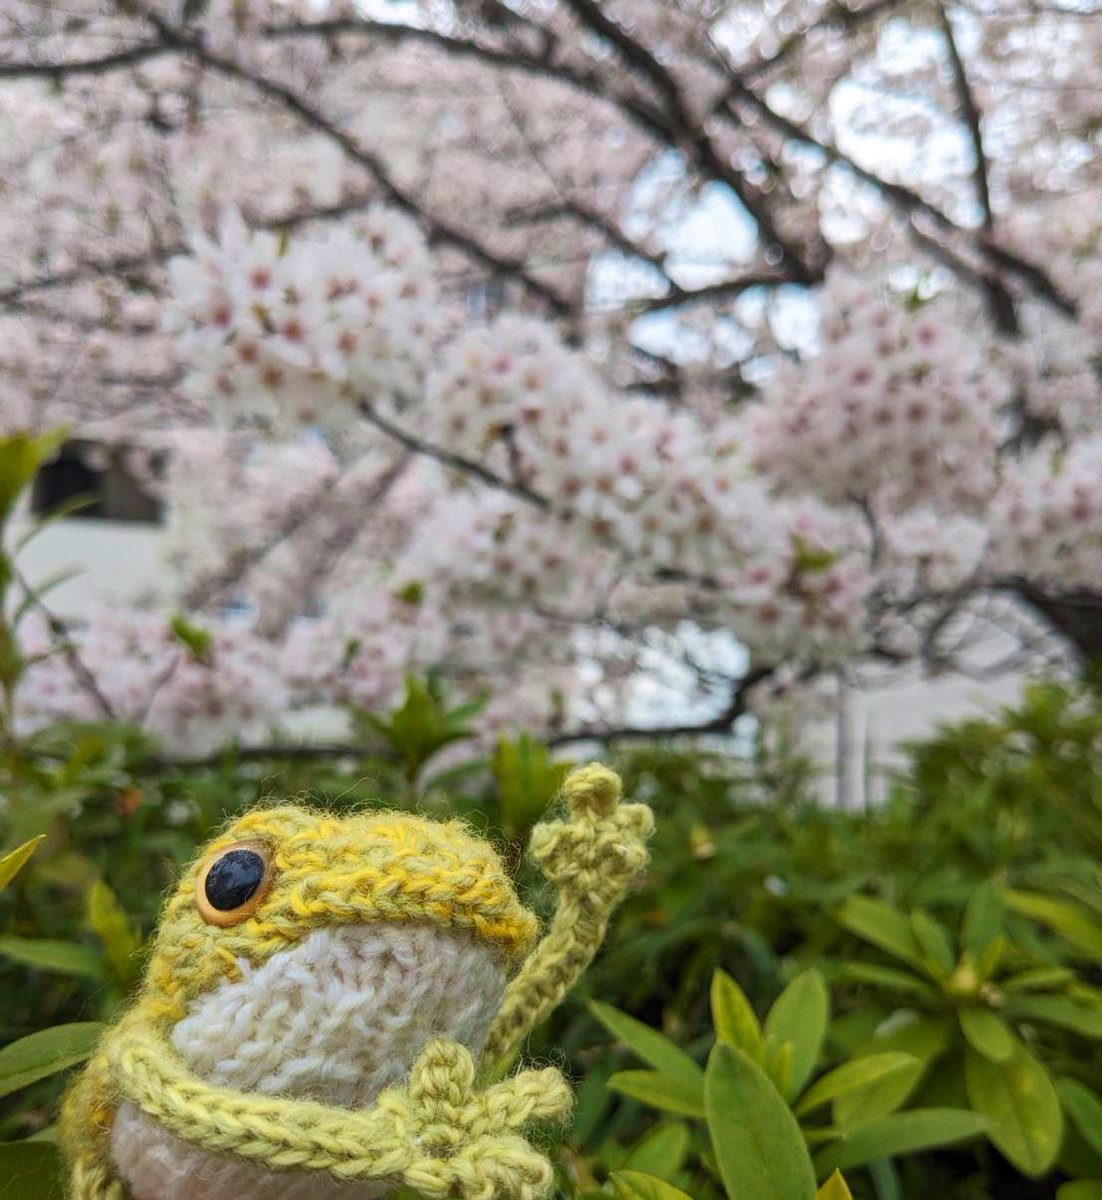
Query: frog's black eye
[{"x": 232, "y": 883}]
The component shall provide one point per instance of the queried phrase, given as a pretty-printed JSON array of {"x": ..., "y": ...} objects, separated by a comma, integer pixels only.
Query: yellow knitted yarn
[
  {"x": 332, "y": 870},
  {"x": 438, "y": 1133}
]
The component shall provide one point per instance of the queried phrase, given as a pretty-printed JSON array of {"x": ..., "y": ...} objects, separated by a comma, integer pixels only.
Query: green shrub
[{"x": 914, "y": 993}]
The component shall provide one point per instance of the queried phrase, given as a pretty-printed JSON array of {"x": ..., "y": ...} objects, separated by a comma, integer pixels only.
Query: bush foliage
[{"x": 908, "y": 995}]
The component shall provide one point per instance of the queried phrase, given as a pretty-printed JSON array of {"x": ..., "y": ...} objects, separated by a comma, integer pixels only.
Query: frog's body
[
  {"x": 317, "y": 1042},
  {"x": 335, "y": 1018}
]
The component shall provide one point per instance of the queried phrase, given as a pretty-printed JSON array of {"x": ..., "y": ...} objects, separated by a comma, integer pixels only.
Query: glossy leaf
[
  {"x": 660, "y": 1152},
  {"x": 1069, "y": 920},
  {"x": 652, "y": 1047},
  {"x": 757, "y": 1144},
  {"x": 983, "y": 919},
  {"x": 934, "y": 941},
  {"x": 855, "y": 1075},
  {"x": 1021, "y": 1105},
  {"x": 44, "y": 1053},
  {"x": 834, "y": 1189},
  {"x": 901, "y": 1133},
  {"x": 14, "y": 861},
  {"x": 66, "y": 958},
  {"x": 664, "y": 1092},
  {"x": 1080, "y": 1189},
  {"x": 1085, "y": 1109},
  {"x": 634, "y": 1185},
  {"x": 30, "y": 1171},
  {"x": 799, "y": 1018},
  {"x": 882, "y": 926},
  {"x": 986, "y": 1032},
  {"x": 1060, "y": 1011},
  {"x": 890, "y": 978},
  {"x": 121, "y": 941},
  {"x": 734, "y": 1019},
  {"x": 877, "y": 1099}
]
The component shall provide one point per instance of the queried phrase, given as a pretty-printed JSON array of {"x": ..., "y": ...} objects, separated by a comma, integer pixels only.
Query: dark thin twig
[
  {"x": 970, "y": 112},
  {"x": 68, "y": 648}
]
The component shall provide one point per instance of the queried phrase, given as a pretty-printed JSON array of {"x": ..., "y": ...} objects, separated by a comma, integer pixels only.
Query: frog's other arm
[{"x": 591, "y": 857}]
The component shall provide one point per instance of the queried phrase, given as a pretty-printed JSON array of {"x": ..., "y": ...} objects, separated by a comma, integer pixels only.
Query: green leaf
[
  {"x": 121, "y": 942},
  {"x": 1037, "y": 979},
  {"x": 926, "y": 1037},
  {"x": 778, "y": 1066},
  {"x": 1068, "y": 920},
  {"x": 855, "y": 1075},
  {"x": 46, "y": 1052},
  {"x": 1060, "y": 1011},
  {"x": 882, "y": 926},
  {"x": 664, "y": 1092},
  {"x": 1080, "y": 1189},
  {"x": 633, "y": 1185},
  {"x": 877, "y": 1099},
  {"x": 67, "y": 958},
  {"x": 199, "y": 643},
  {"x": 888, "y": 977},
  {"x": 758, "y": 1146},
  {"x": 935, "y": 942},
  {"x": 652, "y": 1047},
  {"x": 12, "y": 863},
  {"x": 1021, "y": 1105},
  {"x": 986, "y": 1033},
  {"x": 834, "y": 1189},
  {"x": 1085, "y": 1110},
  {"x": 661, "y": 1151},
  {"x": 422, "y": 725},
  {"x": 901, "y": 1133},
  {"x": 734, "y": 1019},
  {"x": 799, "y": 1017},
  {"x": 983, "y": 919},
  {"x": 20, "y": 458},
  {"x": 885, "y": 1178},
  {"x": 527, "y": 780},
  {"x": 31, "y": 1171}
]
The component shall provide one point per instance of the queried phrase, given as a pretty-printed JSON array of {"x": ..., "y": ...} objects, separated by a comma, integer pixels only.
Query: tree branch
[
  {"x": 88, "y": 66},
  {"x": 908, "y": 201},
  {"x": 969, "y": 111},
  {"x": 719, "y": 724},
  {"x": 692, "y": 134},
  {"x": 448, "y": 459},
  {"x": 437, "y": 228}
]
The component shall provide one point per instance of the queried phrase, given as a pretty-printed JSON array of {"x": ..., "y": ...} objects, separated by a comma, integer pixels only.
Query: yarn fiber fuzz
[
  {"x": 340, "y": 1026},
  {"x": 336, "y": 1018}
]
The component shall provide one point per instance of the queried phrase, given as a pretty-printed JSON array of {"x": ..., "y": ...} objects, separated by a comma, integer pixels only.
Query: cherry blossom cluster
[
  {"x": 1047, "y": 517},
  {"x": 291, "y": 335},
  {"x": 805, "y": 592},
  {"x": 895, "y": 407},
  {"x": 192, "y": 698}
]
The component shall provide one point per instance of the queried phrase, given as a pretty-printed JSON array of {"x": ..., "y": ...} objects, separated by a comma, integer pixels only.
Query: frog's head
[{"x": 310, "y": 954}]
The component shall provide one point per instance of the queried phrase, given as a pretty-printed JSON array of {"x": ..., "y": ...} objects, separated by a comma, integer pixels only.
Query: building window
[{"x": 99, "y": 475}]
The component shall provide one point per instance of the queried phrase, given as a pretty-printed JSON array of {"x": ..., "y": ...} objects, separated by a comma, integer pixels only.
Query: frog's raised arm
[{"x": 590, "y": 857}]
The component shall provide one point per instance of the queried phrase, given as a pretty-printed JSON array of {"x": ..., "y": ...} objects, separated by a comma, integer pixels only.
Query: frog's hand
[
  {"x": 469, "y": 1144},
  {"x": 83, "y": 1132},
  {"x": 591, "y": 858}
]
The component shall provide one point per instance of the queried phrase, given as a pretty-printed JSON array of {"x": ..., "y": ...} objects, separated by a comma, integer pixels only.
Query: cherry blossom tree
[{"x": 541, "y": 343}]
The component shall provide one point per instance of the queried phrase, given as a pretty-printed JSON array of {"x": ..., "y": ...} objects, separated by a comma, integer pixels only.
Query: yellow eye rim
[{"x": 223, "y": 918}]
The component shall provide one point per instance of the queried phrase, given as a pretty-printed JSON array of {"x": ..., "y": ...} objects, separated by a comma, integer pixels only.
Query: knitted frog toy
[{"x": 329, "y": 1002}]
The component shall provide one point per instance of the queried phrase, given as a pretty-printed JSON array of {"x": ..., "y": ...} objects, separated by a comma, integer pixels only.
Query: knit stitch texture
[{"x": 253, "y": 1059}]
